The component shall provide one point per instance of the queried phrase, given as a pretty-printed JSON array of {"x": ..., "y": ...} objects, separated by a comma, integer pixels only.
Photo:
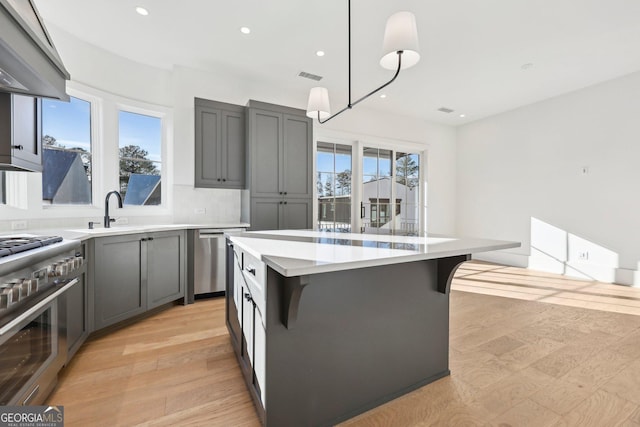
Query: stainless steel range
[{"x": 35, "y": 272}]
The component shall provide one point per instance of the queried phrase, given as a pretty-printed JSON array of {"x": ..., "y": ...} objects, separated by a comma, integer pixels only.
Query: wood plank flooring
[{"x": 526, "y": 349}]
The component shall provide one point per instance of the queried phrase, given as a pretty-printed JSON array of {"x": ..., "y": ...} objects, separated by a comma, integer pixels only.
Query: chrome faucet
[{"x": 107, "y": 220}]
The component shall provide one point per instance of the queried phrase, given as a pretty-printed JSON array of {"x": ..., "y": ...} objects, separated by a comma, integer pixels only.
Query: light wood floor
[{"x": 526, "y": 349}]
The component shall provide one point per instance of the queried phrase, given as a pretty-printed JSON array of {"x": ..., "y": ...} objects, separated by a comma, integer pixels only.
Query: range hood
[{"x": 29, "y": 63}]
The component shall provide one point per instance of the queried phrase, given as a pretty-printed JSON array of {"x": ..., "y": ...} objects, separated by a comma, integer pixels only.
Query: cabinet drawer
[{"x": 254, "y": 277}]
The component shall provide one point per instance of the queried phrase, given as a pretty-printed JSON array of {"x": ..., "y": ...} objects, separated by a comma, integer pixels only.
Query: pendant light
[{"x": 399, "y": 51}]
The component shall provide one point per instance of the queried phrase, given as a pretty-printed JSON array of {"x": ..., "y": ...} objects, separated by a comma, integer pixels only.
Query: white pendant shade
[
  {"x": 318, "y": 102},
  {"x": 401, "y": 33}
]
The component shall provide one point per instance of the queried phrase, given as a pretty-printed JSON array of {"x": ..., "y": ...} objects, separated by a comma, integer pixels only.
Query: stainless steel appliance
[
  {"x": 35, "y": 272},
  {"x": 209, "y": 261},
  {"x": 29, "y": 62}
]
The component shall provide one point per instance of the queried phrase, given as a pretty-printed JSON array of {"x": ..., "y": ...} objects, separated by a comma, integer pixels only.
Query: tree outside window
[{"x": 140, "y": 152}]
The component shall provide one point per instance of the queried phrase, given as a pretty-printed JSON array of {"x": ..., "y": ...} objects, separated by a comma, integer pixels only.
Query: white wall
[
  {"x": 96, "y": 68},
  {"x": 520, "y": 177}
]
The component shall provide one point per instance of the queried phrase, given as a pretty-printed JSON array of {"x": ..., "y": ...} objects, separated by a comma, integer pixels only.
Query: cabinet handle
[
  {"x": 218, "y": 179},
  {"x": 150, "y": 238},
  {"x": 247, "y": 296},
  {"x": 280, "y": 193},
  {"x": 224, "y": 180},
  {"x": 251, "y": 270},
  {"x": 146, "y": 239},
  {"x": 285, "y": 193},
  {"x": 280, "y": 202},
  {"x": 362, "y": 210},
  {"x": 18, "y": 147},
  {"x": 285, "y": 202}
]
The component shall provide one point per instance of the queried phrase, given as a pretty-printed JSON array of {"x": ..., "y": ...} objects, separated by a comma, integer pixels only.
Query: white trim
[
  {"x": 358, "y": 142},
  {"x": 24, "y": 192}
]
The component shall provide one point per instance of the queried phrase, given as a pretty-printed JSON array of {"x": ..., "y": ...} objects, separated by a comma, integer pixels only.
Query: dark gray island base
[{"x": 339, "y": 343}]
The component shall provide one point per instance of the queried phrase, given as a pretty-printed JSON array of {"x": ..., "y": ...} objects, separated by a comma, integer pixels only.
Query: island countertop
[{"x": 303, "y": 252}]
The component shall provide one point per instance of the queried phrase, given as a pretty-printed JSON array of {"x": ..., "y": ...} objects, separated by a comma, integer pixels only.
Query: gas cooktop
[{"x": 16, "y": 244}]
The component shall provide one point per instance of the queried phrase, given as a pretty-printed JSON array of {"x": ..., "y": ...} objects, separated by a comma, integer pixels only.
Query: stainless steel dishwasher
[{"x": 209, "y": 261}]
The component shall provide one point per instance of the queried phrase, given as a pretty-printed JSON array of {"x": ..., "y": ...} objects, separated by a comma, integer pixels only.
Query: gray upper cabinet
[
  {"x": 219, "y": 144},
  {"x": 279, "y": 170},
  {"x": 280, "y": 159},
  {"x": 20, "y": 132}
]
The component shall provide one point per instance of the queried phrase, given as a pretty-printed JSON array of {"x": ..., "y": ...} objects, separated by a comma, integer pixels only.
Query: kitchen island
[{"x": 328, "y": 325}]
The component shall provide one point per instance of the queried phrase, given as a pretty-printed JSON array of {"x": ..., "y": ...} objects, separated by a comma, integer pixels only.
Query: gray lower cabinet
[
  {"x": 279, "y": 214},
  {"x": 77, "y": 316},
  {"x": 166, "y": 268},
  {"x": 219, "y": 144},
  {"x": 136, "y": 272}
]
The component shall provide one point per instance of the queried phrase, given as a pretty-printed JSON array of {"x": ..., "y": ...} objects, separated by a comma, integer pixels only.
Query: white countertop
[
  {"x": 115, "y": 230},
  {"x": 301, "y": 252}
]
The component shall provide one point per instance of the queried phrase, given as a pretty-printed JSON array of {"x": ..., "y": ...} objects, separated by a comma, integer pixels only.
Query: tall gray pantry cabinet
[{"x": 279, "y": 167}]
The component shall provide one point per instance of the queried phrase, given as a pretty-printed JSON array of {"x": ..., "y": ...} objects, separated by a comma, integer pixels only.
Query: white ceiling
[{"x": 472, "y": 51}]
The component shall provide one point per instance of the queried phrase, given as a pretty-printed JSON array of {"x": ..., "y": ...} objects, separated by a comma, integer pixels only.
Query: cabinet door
[
  {"x": 208, "y": 147},
  {"x": 232, "y": 295},
  {"x": 297, "y": 166},
  {"x": 233, "y": 149},
  {"x": 76, "y": 320},
  {"x": 296, "y": 214},
  {"x": 20, "y": 131},
  {"x": 265, "y": 214},
  {"x": 165, "y": 268},
  {"x": 118, "y": 286},
  {"x": 266, "y": 163},
  {"x": 247, "y": 327},
  {"x": 260, "y": 351}
]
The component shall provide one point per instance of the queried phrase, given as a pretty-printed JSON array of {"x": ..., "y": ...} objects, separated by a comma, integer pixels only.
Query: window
[
  {"x": 66, "y": 154},
  {"x": 334, "y": 187},
  {"x": 407, "y": 191},
  {"x": 386, "y": 194},
  {"x": 376, "y": 187},
  {"x": 140, "y": 144}
]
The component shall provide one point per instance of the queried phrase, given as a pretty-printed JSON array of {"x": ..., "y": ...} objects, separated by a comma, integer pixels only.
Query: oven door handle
[{"x": 6, "y": 328}]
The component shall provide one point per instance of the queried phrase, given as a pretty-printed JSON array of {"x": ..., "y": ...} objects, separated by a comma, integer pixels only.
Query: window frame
[
  {"x": 24, "y": 191},
  {"x": 95, "y": 110},
  {"x": 358, "y": 142},
  {"x": 166, "y": 124}
]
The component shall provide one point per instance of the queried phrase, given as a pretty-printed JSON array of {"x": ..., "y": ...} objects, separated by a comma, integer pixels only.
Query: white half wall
[{"x": 561, "y": 176}]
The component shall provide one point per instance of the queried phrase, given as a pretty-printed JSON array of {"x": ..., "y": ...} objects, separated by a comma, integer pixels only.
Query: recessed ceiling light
[
  {"x": 527, "y": 66},
  {"x": 142, "y": 11},
  {"x": 383, "y": 96},
  {"x": 462, "y": 116},
  {"x": 320, "y": 53},
  {"x": 245, "y": 30}
]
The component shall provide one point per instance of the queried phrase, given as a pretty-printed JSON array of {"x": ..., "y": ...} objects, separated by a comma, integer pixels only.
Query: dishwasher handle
[{"x": 212, "y": 234}]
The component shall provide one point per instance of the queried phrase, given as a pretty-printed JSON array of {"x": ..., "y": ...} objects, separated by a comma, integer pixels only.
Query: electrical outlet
[
  {"x": 200, "y": 211},
  {"x": 122, "y": 221},
  {"x": 583, "y": 255},
  {"x": 19, "y": 225}
]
